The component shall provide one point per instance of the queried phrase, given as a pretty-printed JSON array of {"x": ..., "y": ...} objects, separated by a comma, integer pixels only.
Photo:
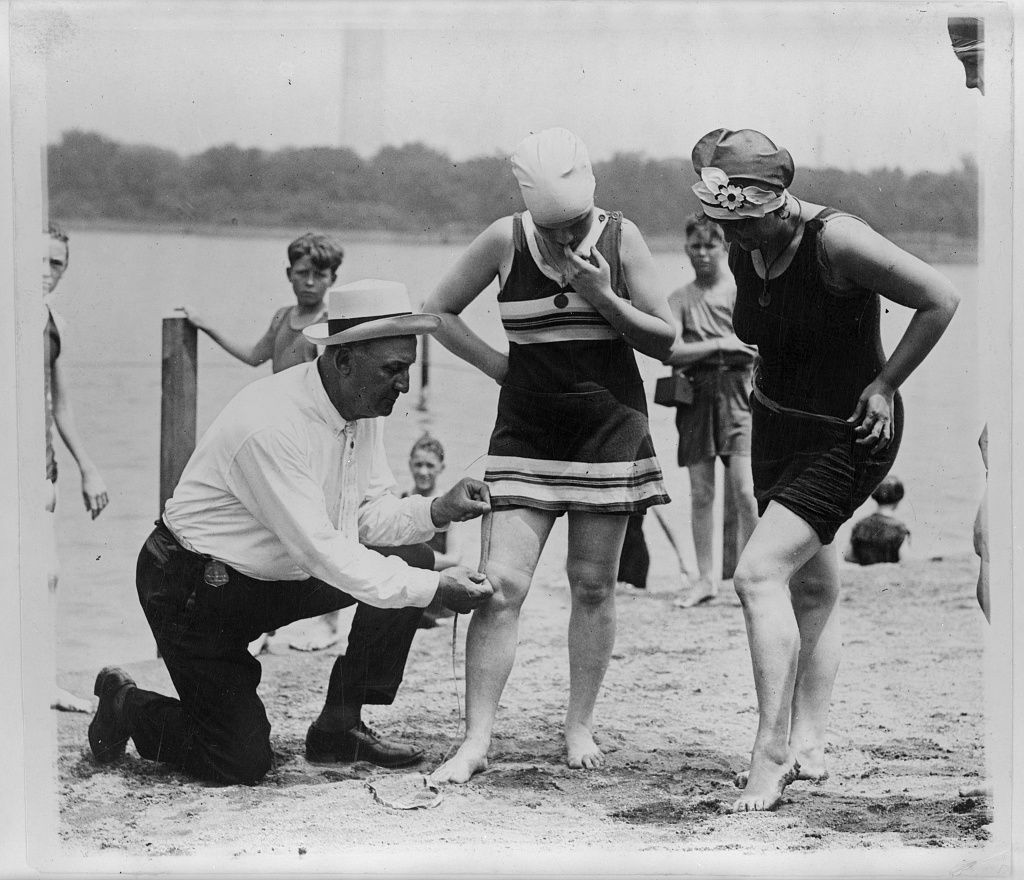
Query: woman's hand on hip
[{"x": 873, "y": 416}]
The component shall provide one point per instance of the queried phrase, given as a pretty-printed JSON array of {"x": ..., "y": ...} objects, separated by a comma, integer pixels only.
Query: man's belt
[{"x": 162, "y": 545}]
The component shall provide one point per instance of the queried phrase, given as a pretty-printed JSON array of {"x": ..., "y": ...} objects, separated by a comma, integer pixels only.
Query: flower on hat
[
  {"x": 730, "y": 196},
  {"x": 715, "y": 189}
]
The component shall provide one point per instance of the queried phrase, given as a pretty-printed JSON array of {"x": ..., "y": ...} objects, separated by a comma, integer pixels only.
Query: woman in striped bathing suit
[
  {"x": 578, "y": 291},
  {"x": 827, "y": 422}
]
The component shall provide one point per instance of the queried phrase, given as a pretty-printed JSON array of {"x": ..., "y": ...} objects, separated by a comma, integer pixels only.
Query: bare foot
[
  {"x": 581, "y": 752},
  {"x": 702, "y": 591},
  {"x": 770, "y": 781},
  {"x": 65, "y": 701},
  {"x": 316, "y": 634},
  {"x": 461, "y": 767},
  {"x": 740, "y": 779}
]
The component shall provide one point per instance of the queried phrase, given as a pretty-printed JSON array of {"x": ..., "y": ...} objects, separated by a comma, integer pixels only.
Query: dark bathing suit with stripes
[{"x": 571, "y": 431}]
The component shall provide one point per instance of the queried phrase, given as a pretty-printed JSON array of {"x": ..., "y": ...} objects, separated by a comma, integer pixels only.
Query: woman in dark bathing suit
[{"x": 827, "y": 421}]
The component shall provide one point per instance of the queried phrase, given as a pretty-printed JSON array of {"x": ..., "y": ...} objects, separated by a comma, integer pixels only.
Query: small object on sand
[{"x": 409, "y": 791}]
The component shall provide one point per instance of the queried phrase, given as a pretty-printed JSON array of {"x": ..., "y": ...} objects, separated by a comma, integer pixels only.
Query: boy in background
[
  {"x": 880, "y": 536},
  {"x": 717, "y": 423},
  {"x": 426, "y": 462},
  {"x": 313, "y": 262},
  {"x": 59, "y": 413}
]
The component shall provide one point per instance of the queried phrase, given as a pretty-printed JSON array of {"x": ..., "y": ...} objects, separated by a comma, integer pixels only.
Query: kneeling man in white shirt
[{"x": 285, "y": 512}]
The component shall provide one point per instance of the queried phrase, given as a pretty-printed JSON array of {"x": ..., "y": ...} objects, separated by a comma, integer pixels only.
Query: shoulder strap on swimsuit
[
  {"x": 609, "y": 243},
  {"x": 817, "y": 225},
  {"x": 518, "y": 233}
]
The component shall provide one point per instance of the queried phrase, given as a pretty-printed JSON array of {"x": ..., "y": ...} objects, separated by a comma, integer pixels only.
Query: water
[{"x": 120, "y": 285}]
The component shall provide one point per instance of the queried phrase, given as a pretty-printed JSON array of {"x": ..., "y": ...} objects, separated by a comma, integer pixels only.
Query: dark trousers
[{"x": 218, "y": 729}]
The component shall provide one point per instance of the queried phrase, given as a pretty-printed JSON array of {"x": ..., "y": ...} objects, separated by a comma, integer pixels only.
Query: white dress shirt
[{"x": 281, "y": 487}]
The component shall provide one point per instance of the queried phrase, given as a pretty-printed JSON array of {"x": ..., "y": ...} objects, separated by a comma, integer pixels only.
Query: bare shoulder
[
  {"x": 632, "y": 241},
  {"x": 500, "y": 229},
  {"x": 845, "y": 236},
  {"x": 495, "y": 240},
  {"x": 630, "y": 231}
]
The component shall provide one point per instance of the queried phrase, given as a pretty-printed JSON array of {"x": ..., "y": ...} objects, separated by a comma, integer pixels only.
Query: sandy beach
[
  {"x": 676, "y": 719},
  {"x": 677, "y": 713}
]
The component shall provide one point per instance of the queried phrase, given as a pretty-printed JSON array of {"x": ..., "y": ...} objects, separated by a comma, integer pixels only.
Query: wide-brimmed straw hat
[{"x": 369, "y": 309}]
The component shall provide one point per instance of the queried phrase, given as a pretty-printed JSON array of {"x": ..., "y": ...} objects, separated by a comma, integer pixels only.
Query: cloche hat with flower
[{"x": 743, "y": 174}]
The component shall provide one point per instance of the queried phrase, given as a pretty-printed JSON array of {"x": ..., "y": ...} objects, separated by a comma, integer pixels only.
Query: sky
[{"x": 856, "y": 86}]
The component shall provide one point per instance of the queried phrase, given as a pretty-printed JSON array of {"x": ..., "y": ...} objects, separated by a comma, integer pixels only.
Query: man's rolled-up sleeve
[{"x": 270, "y": 476}]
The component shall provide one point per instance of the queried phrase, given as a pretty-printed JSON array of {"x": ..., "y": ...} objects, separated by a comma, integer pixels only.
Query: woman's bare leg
[
  {"x": 739, "y": 480},
  {"x": 595, "y": 542},
  {"x": 815, "y": 593},
  {"x": 780, "y": 545},
  {"x": 517, "y": 538}
]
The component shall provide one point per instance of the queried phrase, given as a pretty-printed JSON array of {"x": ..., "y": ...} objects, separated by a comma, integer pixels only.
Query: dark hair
[
  {"x": 58, "y": 234},
  {"x": 702, "y": 223},
  {"x": 889, "y": 491},
  {"x": 323, "y": 251},
  {"x": 428, "y": 443}
]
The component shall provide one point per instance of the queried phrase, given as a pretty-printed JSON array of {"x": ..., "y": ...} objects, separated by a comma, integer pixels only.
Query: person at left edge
[{"x": 285, "y": 511}]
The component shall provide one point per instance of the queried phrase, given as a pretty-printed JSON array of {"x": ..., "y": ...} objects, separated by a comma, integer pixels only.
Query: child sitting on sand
[
  {"x": 426, "y": 463},
  {"x": 313, "y": 261},
  {"x": 880, "y": 536}
]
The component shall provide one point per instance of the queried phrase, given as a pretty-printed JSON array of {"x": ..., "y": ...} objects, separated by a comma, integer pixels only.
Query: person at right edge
[
  {"x": 967, "y": 37},
  {"x": 827, "y": 423}
]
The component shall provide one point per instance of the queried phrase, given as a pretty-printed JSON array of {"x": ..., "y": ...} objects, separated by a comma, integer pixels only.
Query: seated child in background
[
  {"x": 313, "y": 261},
  {"x": 426, "y": 462},
  {"x": 880, "y": 536}
]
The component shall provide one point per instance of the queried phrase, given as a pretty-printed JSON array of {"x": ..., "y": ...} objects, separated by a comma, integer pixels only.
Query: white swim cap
[{"x": 554, "y": 174}]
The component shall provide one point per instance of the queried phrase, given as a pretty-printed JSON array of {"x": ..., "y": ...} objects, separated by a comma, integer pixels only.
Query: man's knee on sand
[
  {"x": 240, "y": 758},
  {"x": 246, "y": 765}
]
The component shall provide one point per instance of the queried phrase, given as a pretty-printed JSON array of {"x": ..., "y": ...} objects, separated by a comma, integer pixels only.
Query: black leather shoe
[
  {"x": 108, "y": 732},
  {"x": 358, "y": 744}
]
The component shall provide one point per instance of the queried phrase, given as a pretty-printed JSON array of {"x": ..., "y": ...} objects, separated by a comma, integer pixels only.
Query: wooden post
[
  {"x": 423, "y": 402},
  {"x": 177, "y": 402}
]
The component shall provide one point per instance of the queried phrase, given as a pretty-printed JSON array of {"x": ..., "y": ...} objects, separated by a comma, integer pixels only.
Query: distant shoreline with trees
[{"x": 416, "y": 193}]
